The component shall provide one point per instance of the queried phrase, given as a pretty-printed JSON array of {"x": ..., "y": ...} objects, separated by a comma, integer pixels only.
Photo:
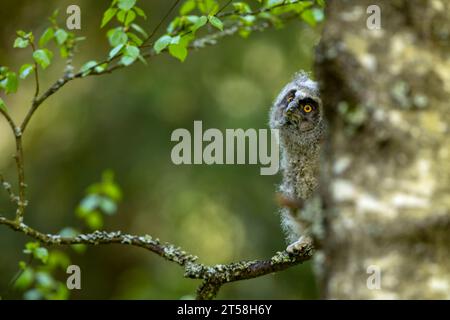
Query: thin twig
[
  {"x": 8, "y": 119},
  {"x": 17, "y": 276},
  {"x": 22, "y": 203},
  {"x": 256, "y": 12},
  {"x": 224, "y": 6},
  {"x": 155, "y": 30},
  {"x": 18, "y": 156},
  {"x": 36, "y": 74}
]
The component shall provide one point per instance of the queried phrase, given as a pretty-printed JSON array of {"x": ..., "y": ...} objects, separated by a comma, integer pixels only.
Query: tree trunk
[{"x": 386, "y": 94}]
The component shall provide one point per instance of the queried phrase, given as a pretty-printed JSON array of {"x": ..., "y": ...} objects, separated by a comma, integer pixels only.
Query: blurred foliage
[{"x": 221, "y": 213}]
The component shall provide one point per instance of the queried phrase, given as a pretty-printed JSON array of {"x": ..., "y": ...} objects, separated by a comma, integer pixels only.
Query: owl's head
[{"x": 297, "y": 111}]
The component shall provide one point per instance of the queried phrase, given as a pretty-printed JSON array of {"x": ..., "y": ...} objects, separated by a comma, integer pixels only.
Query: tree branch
[
  {"x": 216, "y": 276},
  {"x": 36, "y": 74},
  {"x": 155, "y": 30},
  {"x": 22, "y": 202},
  {"x": 256, "y": 12},
  {"x": 8, "y": 119},
  {"x": 213, "y": 276}
]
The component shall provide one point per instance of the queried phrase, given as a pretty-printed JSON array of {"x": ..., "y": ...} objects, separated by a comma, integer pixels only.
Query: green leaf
[
  {"x": 242, "y": 7},
  {"x": 178, "y": 51},
  {"x": 129, "y": 56},
  {"x": 22, "y": 265},
  {"x": 21, "y": 33},
  {"x": 90, "y": 203},
  {"x": 44, "y": 279},
  {"x": 134, "y": 38},
  {"x": 173, "y": 25},
  {"x": 115, "y": 51},
  {"x": 208, "y": 6},
  {"x": 126, "y": 17},
  {"x": 46, "y": 37},
  {"x": 68, "y": 233},
  {"x": 11, "y": 82},
  {"x": 162, "y": 43},
  {"x": 140, "y": 12},
  {"x": 129, "y": 18},
  {"x": 101, "y": 67},
  {"x": 3, "y": 105},
  {"x": 216, "y": 22},
  {"x": 30, "y": 247},
  {"x": 24, "y": 35},
  {"x": 59, "y": 259},
  {"x": 321, "y": 3},
  {"x": 175, "y": 40},
  {"x": 271, "y": 3},
  {"x": 139, "y": 29},
  {"x": 318, "y": 14},
  {"x": 63, "y": 52},
  {"x": 52, "y": 18},
  {"x": 94, "y": 220},
  {"x": 309, "y": 17},
  {"x": 41, "y": 254},
  {"x": 21, "y": 43},
  {"x": 141, "y": 58},
  {"x": 61, "y": 36},
  {"x": 126, "y": 4},
  {"x": 108, "y": 15},
  {"x": 108, "y": 206},
  {"x": 117, "y": 36},
  {"x": 25, "y": 70},
  {"x": 187, "y": 7},
  {"x": 25, "y": 280},
  {"x": 33, "y": 294},
  {"x": 43, "y": 57},
  {"x": 88, "y": 67},
  {"x": 248, "y": 20},
  {"x": 200, "y": 23},
  {"x": 79, "y": 248},
  {"x": 59, "y": 293}
]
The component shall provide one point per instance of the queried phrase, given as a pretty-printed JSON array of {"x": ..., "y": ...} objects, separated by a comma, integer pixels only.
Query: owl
[{"x": 297, "y": 114}]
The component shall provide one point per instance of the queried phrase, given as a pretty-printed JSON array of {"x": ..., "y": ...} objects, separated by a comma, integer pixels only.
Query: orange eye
[
  {"x": 290, "y": 98},
  {"x": 307, "y": 108}
]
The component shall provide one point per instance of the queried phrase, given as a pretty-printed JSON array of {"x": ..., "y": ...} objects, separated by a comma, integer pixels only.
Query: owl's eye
[
  {"x": 290, "y": 98},
  {"x": 307, "y": 108}
]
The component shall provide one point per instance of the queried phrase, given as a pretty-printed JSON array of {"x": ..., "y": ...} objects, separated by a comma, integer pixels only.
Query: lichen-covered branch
[
  {"x": 216, "y": 276},
  {"x": 213, "y": 276},
  {"x": 167, "y": 251}
]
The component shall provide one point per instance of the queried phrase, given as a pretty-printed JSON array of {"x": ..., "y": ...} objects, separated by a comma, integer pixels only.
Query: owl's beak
[
  {"x": 292, "y": 115},
  {"x": 290, "y": 109}
]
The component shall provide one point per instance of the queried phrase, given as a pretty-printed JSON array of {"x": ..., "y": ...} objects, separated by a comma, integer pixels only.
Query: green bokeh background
[{"x": 123, "y": 121}]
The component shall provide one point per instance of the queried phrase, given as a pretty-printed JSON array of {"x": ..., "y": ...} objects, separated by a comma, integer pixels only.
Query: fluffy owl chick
[{"x": 297, "y": 113}]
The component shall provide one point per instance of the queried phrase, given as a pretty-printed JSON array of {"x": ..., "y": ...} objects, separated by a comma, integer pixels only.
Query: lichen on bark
[{"x": 386, "y": 96}]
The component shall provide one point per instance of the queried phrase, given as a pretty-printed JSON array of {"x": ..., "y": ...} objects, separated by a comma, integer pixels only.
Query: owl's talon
[{"x": 299, "y": 245}]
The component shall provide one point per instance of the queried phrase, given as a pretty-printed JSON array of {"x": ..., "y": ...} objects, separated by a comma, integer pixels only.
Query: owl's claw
[{"x": 299, "y": 245}]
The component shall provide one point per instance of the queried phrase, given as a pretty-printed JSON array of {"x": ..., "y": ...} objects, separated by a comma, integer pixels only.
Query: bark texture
[{"x": 386, "y": 96}]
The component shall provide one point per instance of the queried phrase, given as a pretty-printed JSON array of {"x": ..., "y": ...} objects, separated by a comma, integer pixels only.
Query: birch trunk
[{"x": 387, "y": 94}]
